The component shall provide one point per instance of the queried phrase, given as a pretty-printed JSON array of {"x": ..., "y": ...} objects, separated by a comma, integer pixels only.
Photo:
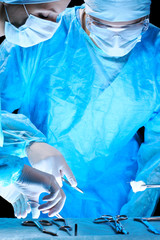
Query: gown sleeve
[
  {"x": 142, "y": 204},
  {"x": 18, "y": 133},
  {"x": 16, "y": 130}
]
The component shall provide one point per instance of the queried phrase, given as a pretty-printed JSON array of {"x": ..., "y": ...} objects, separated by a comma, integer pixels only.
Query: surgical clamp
[
  {"x": 114, "y": 222},
  {"x": 65, "y": 227},
  {"x": 39, "y": 225}
]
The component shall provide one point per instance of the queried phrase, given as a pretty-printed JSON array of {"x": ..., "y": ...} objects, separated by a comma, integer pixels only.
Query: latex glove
[
  {"x": 33, "y": 182},
  {"x": 18, "y": 200},
  {"x": 46, "y": 158}
]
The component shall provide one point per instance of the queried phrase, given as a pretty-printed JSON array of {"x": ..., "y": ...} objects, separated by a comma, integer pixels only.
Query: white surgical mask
[
  {"x": 34, "y": 31},
  {"x": 116, "y": 41}
]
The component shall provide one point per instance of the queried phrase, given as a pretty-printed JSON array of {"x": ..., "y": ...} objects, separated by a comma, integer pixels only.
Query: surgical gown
[{"x": 89, "y": 107}]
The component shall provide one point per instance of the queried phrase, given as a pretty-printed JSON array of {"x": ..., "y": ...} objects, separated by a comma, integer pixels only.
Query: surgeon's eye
[
  {"x": 43, "y": 15},
  {"x": 100, "y": 24}
]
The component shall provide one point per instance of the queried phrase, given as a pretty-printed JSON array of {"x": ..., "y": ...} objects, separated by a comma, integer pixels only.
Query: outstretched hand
[{"x": 33, "y": 182}]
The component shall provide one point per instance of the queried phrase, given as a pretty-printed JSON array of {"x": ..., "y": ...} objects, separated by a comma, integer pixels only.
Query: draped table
[{"x": 11, "y": 228}]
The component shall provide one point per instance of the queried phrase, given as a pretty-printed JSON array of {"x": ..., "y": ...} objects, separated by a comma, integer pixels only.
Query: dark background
[{"x": 6, "y": 209}]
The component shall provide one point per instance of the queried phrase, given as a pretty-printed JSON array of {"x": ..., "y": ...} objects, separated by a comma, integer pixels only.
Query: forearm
[
  {"x": 142, "y": 204},
  {"x": 19, "y": 133},
  {"x": 10, "y": 169}
]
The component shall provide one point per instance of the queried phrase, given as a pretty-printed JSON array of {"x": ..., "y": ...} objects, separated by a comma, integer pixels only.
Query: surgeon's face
[{"x": 48, "y": 11}]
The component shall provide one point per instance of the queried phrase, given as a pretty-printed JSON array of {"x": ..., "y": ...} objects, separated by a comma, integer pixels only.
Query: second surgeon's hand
[
  {"x": 18, "y": 200},
  {"x": 33, "y": 182},
  {"x": 46, "y": 158}
]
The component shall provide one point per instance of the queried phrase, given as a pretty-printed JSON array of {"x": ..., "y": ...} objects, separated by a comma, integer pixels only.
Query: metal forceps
[
  {"x": 66, "y": 228},
  {"x": 39, "y": 226},
  {"x": 114, "y": 222}
]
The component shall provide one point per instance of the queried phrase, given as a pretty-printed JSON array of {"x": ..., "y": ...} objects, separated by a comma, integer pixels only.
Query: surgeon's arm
[
  {"x": 144, "y": 203},
  {"x": 19, "y": 133}
]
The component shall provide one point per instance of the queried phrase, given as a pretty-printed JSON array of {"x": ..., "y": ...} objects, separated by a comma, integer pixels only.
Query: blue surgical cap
[
  {"x": 27, "y": 1},
  {"x": 118, "y": 10}
]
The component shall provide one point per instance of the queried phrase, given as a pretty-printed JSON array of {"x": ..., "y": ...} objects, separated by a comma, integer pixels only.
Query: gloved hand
[
  {"x": 33, "y": 182},
  {"x": 46, "y": 158},
  {"x": 18, "y": 200}
]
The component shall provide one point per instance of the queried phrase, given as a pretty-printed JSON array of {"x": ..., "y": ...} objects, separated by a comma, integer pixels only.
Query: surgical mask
[
  {"x": 34, "y": 31},
  {"x": 116, "y": 41}
]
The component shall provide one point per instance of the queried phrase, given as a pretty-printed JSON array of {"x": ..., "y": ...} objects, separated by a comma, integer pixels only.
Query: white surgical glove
[
  {"x": 18, "y": 200},
  {"x": 46, "y": 158},
  {"x": 33, "y": 182}
]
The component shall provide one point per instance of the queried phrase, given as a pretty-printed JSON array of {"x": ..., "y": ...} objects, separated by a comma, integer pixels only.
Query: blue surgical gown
[{"x": 89, "y": 107}]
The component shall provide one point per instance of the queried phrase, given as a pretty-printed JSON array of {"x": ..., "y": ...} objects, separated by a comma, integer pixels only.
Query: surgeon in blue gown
[
  {"x": 18, "y": 135},
  {"x": 89, "y": 89}
]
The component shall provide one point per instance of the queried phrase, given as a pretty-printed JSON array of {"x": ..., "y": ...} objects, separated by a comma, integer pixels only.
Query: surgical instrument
[
  {"x": 151, "y": 218},
  {"x": 114, "y": 222},
  {"x": 152, "y": 185},
  {"x": 76, "y": 188},
  {"x": 75, "y": 229},
  {"x": 40, "y": 226},
  {"x": 58, "y": 215},
  {"x": 150, "y": 228},
  {"x": 64, "y": 227},
  {"x": 141, "y": 186}
]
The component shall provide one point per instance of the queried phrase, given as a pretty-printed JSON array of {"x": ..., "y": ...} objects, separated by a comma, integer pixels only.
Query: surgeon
[
  {"x": 30, "y": 24},
  {"x": 42, "y": 25},
  {"x": 88, "y": 89}
]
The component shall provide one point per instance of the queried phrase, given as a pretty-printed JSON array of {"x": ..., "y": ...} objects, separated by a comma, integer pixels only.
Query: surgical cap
[
  {"x": 27, "y": 1},
  {"x": 117, "y": 10}
]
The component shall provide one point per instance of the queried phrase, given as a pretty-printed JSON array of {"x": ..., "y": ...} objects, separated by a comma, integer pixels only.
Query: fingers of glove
[
  {"x": 57, "y": 208},
  {"x": 34, "y": 208},
  {"x": 23, "y": 212},
  {"x": 35, "y": 212},
  {"x": 25, "y": 207},
  {"x": 59, "y": 181},
  {"x": 54, "y": 190},
  {"x": 20, "y": 208},
  {"x": 68, "y": 173},
  {"x": 28, "y": 208},
  {"x": 26, "y": 204},
  {"x": 50, "y": 204},
  {"x": 17, "y": 208}
]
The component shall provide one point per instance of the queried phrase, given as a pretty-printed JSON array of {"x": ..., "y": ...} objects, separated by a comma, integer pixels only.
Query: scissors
[
  {"x": 64, "y": 227},
  {"x": 114, "y": 222},
  {"x": 39, "y": 225}
]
